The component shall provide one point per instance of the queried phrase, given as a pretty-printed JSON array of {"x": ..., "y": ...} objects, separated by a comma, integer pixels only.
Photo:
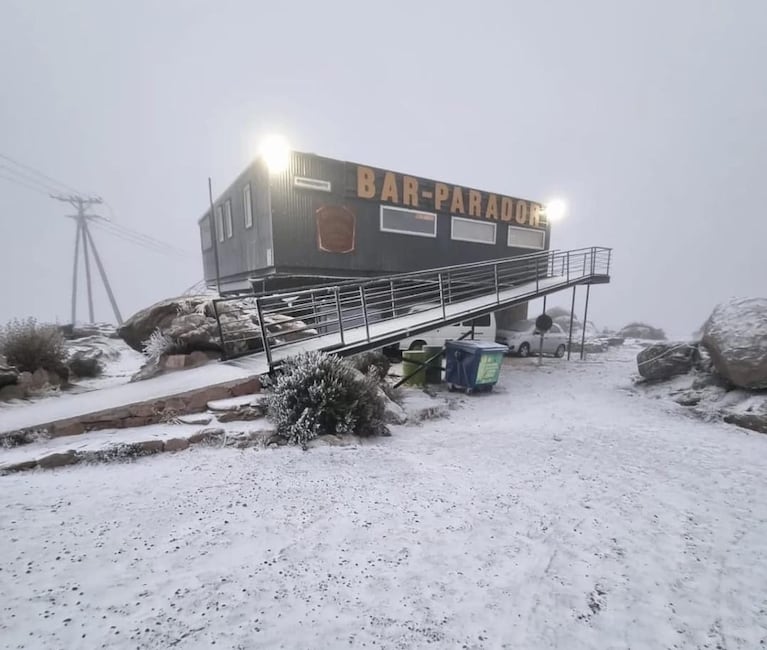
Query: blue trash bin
[{"x": 473, "y": 365}]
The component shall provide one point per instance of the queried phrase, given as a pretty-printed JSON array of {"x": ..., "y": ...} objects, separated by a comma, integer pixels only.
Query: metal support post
[
  {"x": 568, "y": 267},
  {"x": 585, "y": 320},
  {"x": 572, "y": 316},
  {"x": 497, "y": 287},
  {"x": 442, "y": 298},
  {"x": 264, "y": 334},
  {"x": 214, "y": 236},
  {"x": 221, "y": 330},
  {"x": 365, "y": 311},
  {"x": 340, "y": 316},
  {"x": 391, "y": 293}
]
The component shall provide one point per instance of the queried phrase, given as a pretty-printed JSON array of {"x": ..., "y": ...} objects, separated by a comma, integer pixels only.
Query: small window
[
  {"x": 220, "y": 223},
  {"x": 482, "y": 232},
  {"x": 526, "y": 238},
  {"x": 205, "y": 238},
  {"x": 247, "y": 206},
  {"x": 480, "y": 321},
  {"x": 408, "y": 222},
  {"x": 228, "y": 218}
]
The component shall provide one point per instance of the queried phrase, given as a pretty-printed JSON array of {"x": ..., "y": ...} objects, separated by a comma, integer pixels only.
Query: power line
[
  {"x": 23, "y": 184},
  {"x": 69, "y": 188},
  {"x": 27, "y": 178},
  {"x": 134, "y": 237}
]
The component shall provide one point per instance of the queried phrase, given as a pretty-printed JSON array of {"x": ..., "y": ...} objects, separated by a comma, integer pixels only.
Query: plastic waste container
[
  {"x": 411, "y": 360},
  {"x": 473, "y": 365},
  {"x": 433, "y": 367}
]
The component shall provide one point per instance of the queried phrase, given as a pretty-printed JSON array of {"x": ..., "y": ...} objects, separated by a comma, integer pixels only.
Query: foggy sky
[{"x": 648, "y": 117}]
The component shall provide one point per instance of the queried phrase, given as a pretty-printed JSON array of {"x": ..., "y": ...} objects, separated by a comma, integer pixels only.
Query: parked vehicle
[
  {"x": 523, "y": 339},
  {"x": 484, "y": 330}
]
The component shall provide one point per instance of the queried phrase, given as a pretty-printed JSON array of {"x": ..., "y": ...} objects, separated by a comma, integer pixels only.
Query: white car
[
  {"x": 484, "y": 330},
  {"x": 523, "y": 339}
]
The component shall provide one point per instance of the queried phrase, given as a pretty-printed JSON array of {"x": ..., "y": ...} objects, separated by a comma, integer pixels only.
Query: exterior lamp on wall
[
  {"x": 555, "y": 210},
  {"x": 275, "y": 150}
]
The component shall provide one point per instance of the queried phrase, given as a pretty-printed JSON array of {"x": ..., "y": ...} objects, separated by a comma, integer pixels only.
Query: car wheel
[
  {"x": 560, "y": 352},
  {"x": 417, "y": 345},
  {"x": 524, "y": 350}
]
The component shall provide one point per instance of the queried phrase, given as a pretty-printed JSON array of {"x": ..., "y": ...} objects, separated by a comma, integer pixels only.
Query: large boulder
[
  {"x": 736, "y": 337},
  {"x": 665, "y": 360},
  {"x": 139, "y": 327}
]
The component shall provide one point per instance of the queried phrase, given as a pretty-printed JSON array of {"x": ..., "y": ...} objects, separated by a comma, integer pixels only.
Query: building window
[
  {"x": 219, "y": 223},
  {"x": 408, "y": 222},
  {"x": 312, "y": 184},
  {"x": 526, "y": 238},
  {"x": 247, "y": 206},
  {"x": 482, "y": 232},
  {"x": 207, "y": 240},
  {"x": 228, "y": 218}
]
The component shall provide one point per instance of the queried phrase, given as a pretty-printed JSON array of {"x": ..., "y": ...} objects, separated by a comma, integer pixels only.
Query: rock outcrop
[
  {"x": 665, "y": 360},
  {"x": 190, "y": 322},
  {"x": 736, "y": 337},
  {"x": 642, "y": 331}
]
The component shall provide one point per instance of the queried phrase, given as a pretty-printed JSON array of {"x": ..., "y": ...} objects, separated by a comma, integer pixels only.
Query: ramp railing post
[
  {"x": 391, "y": 295},
  {"x": 568, "y": 267},
  {"x": 442, "y": 297},
  {"x": 340, "y": 317},
  {"x": 537, "y": 275},
  {"x": 497, "y": 287},
  {"x": 593, "y": 259},
  {"x": 609, "y": 255},
  {"x": 264, "y": 335},
  {"x": 365, "y": 311}
]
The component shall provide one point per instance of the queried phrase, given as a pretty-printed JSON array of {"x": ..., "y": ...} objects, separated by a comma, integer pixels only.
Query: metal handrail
[{"x": 336, "y": 309}]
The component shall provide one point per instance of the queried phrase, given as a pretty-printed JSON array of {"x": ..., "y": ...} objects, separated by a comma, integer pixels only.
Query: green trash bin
[
  {"x": 411, "y": 360},
  {"x": 433, "y": 367}
]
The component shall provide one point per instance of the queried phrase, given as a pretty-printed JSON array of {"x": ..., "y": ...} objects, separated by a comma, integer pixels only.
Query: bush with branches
[
  {"x": 319, "y": 394},
  {"x": 30, "y": 345}
]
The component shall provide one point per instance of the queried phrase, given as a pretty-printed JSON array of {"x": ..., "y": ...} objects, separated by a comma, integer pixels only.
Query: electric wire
[
  {"x": 50, "y": 179},
  {"x": 24, "y": 184}
]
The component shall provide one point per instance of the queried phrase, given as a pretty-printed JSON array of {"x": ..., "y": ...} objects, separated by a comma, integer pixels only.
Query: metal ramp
[
  {"x": 356, "y": 316},
  {"x": 346, "y": 318}
]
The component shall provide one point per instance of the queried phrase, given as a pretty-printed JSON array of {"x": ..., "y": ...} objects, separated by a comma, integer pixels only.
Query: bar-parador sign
[{"x": 409, "y": 191}]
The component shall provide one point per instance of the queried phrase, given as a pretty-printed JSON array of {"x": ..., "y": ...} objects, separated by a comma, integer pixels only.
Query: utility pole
[{"x": 82, "y": 204}]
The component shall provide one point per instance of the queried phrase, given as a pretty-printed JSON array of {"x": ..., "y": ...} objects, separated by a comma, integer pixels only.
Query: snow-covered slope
[{"x": 564, "y": 510}]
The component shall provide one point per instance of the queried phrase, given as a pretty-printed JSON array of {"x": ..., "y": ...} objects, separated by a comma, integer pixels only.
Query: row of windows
[
  {"x": 223, "y": 219},
  {"x": 424, "y": 224}
]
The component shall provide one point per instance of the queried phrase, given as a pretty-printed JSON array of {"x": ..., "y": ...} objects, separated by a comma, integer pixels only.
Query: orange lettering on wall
[
  {"x": 535, "y": 215},
  {"x": 475, "y": 203},
  {"x": 456, "y": 205},
  {"x": 491, "y": 212},
  {"x": 366, "y": 183},
  {"x": 441, "y": 193},
  {"x": 505, "y": 208},
  {"x": 389, "y": 190},
  {"x": 410, "y": 191},
  {"x": 520, "y": 214}
]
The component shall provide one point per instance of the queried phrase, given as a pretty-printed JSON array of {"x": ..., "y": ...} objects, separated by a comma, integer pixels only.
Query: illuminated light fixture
[
  {"x": 555, "y": 210},
  {"x": 275, "y": 151}
]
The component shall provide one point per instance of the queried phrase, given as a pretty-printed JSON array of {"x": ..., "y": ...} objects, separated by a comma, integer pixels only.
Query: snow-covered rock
[
  {"x": 736, "y": 337},
  {"x": 666, "y": 360},
  {"x": 642, "y": 331}
]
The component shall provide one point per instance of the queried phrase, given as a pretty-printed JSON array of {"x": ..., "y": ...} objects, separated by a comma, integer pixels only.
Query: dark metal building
[{"x": 319, "y": 219}]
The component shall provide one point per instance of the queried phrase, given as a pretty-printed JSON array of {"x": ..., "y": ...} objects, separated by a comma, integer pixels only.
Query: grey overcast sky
[{"x": 648, "y": 116}]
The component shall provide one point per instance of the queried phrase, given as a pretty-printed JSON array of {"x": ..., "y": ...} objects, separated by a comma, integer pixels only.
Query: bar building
[{"x": 320, "y": 220}]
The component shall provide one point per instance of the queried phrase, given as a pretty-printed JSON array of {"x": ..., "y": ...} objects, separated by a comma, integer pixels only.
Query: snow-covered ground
[{"x": 564, "y": 510}]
